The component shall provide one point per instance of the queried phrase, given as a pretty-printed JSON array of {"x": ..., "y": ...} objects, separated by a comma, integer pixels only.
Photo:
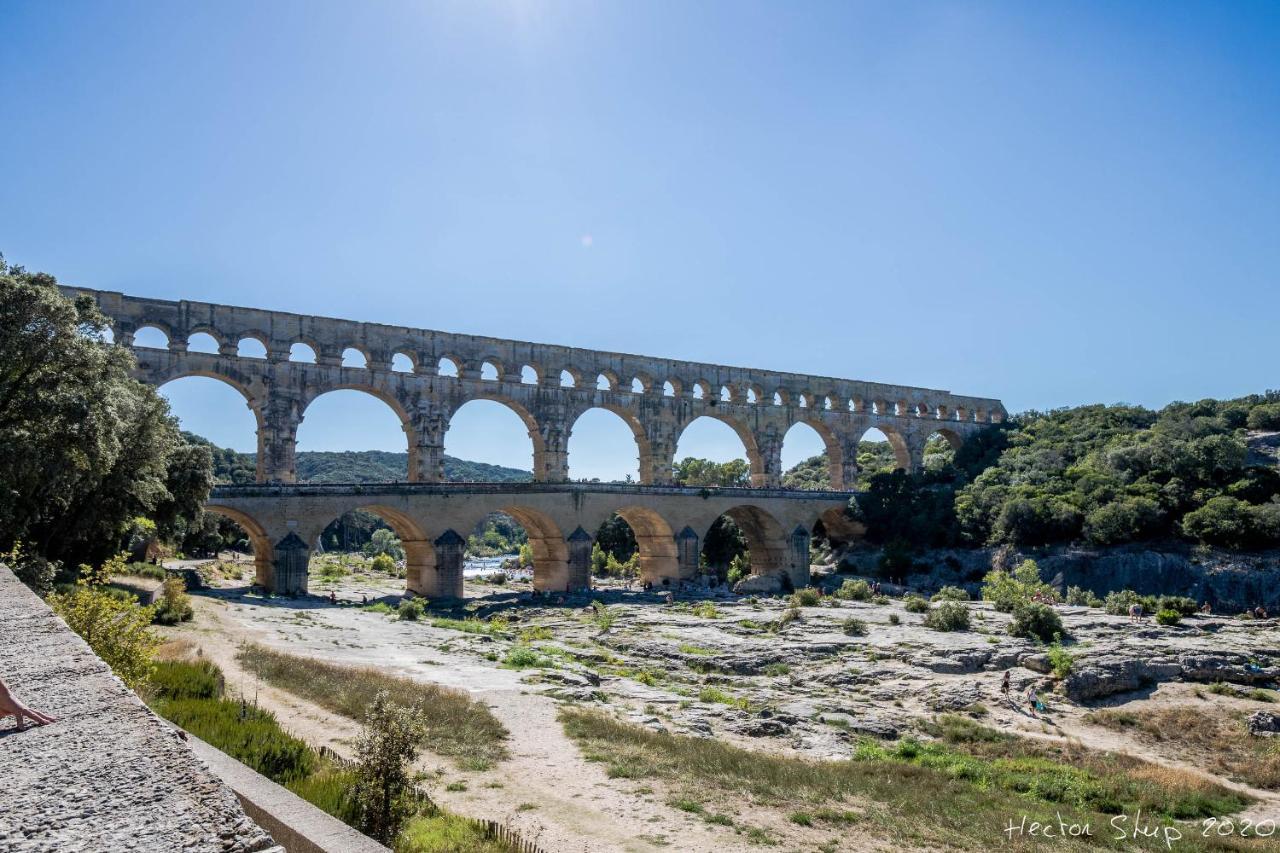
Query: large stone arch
[
  {"x": 644, "y": 448},
  {"x": 755, "y": 459},
  {"x": 550, "y": 550},
  {"x": 530, "y": 422},
  {"x": 659, "y": 557},
  {"x": 263, "y": 552},
  {"x": 897, "y": 440},
  {"x": 397, "y": 408},
  {"x": 251, "y": 401},
  {"x": 834, "y": 449},
  {"x": 419, "y": 554}
]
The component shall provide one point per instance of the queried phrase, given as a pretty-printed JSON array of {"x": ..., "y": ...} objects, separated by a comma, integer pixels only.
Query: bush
[
  {"x": 915, "y": 604},
  {"x": 174, "y": 605},
  {"x": 522, "y": 657},
  {"x": 1168, "y": 617},
  {"x": 1036, "y": 621},
  {"x": 1118, "y": 603},
  {"x": 115, "y": 626},
  {"x": 247, "y": 733},
  {"x": 1123, "y": 520},
  {"x": 383, "y": 563},
  {"x": 895, "y": 619},
  {"x": 706, "y": 610},
  {"x": 1081, "y": 597},
  {"x": 411, "y": 609},
  {"x": 1265, "y": 417},
  {"x": 1180, "y": 603},
  {"x": 1061, "y": 660},
  {"x": 854, "y": 590},
  {"x": 854, "y": 627},
  {"x": 1008, "y": 590},
  {"x": 807, "y": 597},
  {"x": 951, "y": 593},
  {"x": 947, "y": 616},
  {"x": 180, "y": 680},
  {"x": 1233, "y": 523}
]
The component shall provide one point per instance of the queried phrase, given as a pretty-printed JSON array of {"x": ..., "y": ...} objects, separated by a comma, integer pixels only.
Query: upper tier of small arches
[{"x": 283, "y": 337}]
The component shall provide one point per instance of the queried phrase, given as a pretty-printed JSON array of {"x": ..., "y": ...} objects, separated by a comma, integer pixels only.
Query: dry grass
[
  {"x": 1212, "y": 736},
  {"x": 456, "y": 726},
  {"x": 953, "y": 793}
]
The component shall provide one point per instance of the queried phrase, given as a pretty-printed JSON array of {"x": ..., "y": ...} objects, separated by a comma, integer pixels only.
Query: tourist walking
[{"x": 1004, "y": 685}]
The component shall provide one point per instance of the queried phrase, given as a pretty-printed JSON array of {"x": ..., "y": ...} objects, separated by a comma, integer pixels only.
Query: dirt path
[{"x": 545, "y": 790}]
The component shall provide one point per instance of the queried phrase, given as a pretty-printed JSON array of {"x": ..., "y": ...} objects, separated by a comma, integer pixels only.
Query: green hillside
[{"x": 353, "y": 466}]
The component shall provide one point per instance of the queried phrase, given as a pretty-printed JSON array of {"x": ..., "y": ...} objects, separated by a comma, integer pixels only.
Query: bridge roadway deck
[{"x": 284, "y": 522}]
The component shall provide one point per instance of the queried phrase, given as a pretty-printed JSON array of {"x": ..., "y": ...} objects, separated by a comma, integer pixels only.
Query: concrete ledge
[
  {"x": 108, "y": 774},
  {"x": 294, "y": 823}
]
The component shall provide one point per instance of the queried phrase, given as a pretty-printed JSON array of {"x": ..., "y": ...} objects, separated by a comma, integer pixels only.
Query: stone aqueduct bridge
[{"x": 548, "y": 387}]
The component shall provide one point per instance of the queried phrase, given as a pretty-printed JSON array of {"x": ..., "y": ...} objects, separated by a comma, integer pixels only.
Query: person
[
  {"x": 1004, "y": 685},
  {"x": 364, "y": 599},
  {"x": 1206, "y": 609},
  {"x": 1033, "y": 700},
  {"x": 333, "y": 597},
  {"x": 1259, "y": 612},
  {"x": 9, "y": 705}
]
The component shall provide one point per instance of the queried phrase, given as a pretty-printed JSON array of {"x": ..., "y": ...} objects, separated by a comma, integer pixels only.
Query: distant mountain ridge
[{"x": 352, "y": 466}]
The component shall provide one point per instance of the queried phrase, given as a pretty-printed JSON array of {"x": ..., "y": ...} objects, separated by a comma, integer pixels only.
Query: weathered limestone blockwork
[
  {"x": 549, "y": 387},
  {"x": 108, "y": 774},
  {"x": 656, "y": 397},
  {"x": 669, "y": 523}
]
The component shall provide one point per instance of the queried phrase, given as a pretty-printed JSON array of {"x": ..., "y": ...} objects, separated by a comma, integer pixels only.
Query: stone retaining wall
[{"x": 109, "y": 774}]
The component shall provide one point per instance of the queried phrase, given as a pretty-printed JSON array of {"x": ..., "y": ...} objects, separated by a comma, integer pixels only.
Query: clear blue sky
[{"x": 1054, "y": 203}]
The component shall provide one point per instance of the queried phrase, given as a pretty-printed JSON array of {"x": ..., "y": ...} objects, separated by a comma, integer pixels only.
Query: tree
[
  {"x": 386, "y": 542},
  {"x": 1265, "y": 417},
  {"x": 84, "y": 448},
  {"x": 116, "y": 627},
  {"x": 387, "y": 745},
  {"x": 692, "y": 471}
]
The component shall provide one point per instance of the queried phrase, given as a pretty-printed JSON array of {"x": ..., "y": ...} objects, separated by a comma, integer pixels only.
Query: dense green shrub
[
  {"x": 915, "y": 604},
  {"x": 1233, "y": 523},
  {"x": 1168, "y": 617},
  {"x": 951, "y": 593},
  {"x": 854, "y": 627},
  {"x": 181, "y": 680},
  {"x": 1082, "y": 597},
  {"x": 174, "y": 605},
  {"x": 1124, "y": 520},
  {"x": 895, "y": 619},
  {"x": 1180, "y": 603},
  {"x": 1036, "y": 621},
  {"x": 1118, "y": 603},
  {"x": 1009, "y": 590},
  {"x": 806, "y": 597},
  {"x": 247, "y": 733},
  {"x": 947, "y": 616},
  {"x": 1264, "y": 417},
  {"x": 1060, "y": 660},
  {"x": 383, "y": 563},
  {"x": 411, "y": 609},
  {"x": 854, "y": 590}
]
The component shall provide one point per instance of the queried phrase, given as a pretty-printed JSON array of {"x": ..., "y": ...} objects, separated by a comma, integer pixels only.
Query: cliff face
[{"x": 1229, "y": 581}]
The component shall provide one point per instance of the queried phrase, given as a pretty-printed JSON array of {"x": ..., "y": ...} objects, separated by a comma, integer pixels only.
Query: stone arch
[
  {"x": 832, "y": 446},
  {"x": 547, "y": 541},
  {"x": 658, "y": 554},
  {"x": 530, "y": 374},
  {"x": 901, "y": 451},
  {"x": 250, "y": 400},
  {"x": 491, "y": 364},
  {"x": 409, "y": 365},
  {"x": 644, "y": 450},
  {"x": 297, "y": 356},
  {"x": 606, "y": 380},
  {"x": 672, "y": 387},
  {"x": 251, "y": 339},
  {"x": 263, "y": 554},
  {"x": 953, "y": 440},
  {"x": 700, "y": 389},
  {"x": 419, "y": 554},
  {"x": 530, "y": 424},
  {"x": 752, "y": 450},
  {"x": 378, "y": 394},
  {"x": 766, "y": 538},
  {"x": 570, "y": 377},
  {"x": 641, "y": 383},
  {"x": 449, "y": 365},
  {"x": 163, "y": 329},
  {"x": 203, "y": 331},
  {"x": 360, "y": 351}
]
